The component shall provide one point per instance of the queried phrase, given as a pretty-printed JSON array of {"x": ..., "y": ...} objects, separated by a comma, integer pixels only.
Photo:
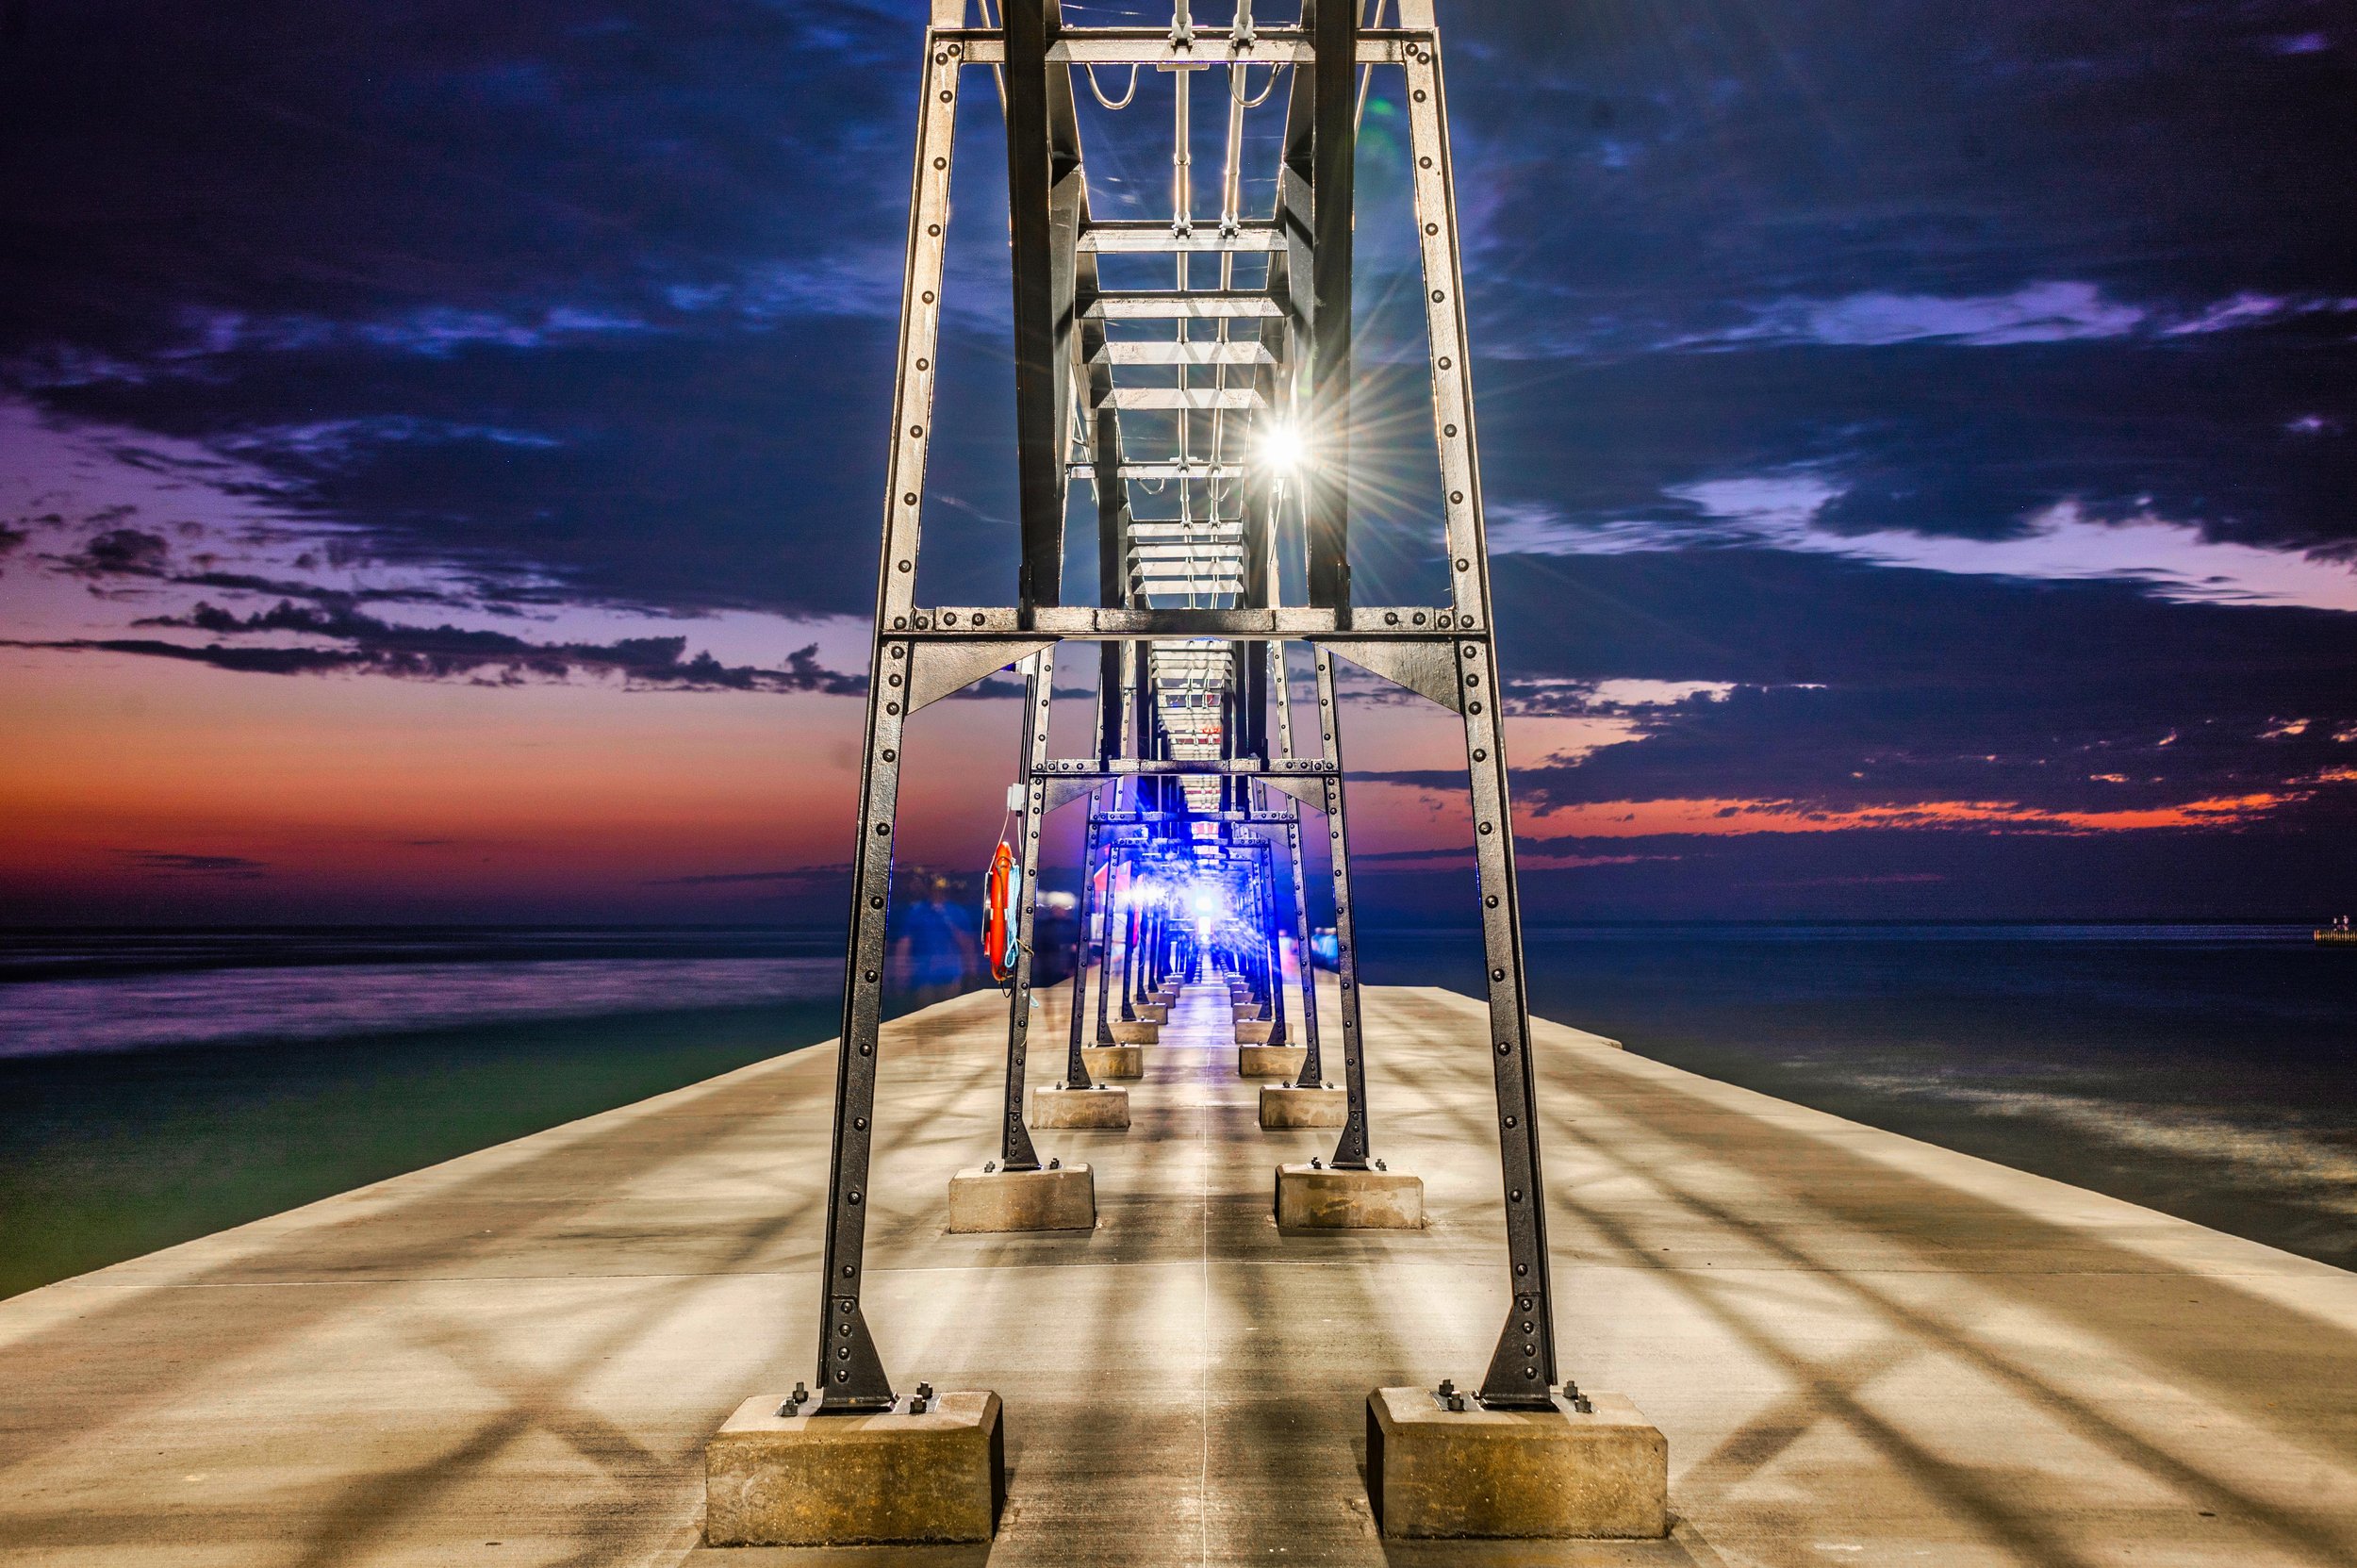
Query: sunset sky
[{"x": 441, "y": 449}]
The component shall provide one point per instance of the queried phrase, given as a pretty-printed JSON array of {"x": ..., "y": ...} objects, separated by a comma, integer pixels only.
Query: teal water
[
  {"x": 2208, "y": 1071},
  {"x": 108, "y": 1155},
  {"x": 158, "y": 1086}
]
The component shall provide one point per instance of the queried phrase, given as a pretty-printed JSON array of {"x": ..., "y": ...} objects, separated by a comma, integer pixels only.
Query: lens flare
[{"x": 1282, "y": 447}]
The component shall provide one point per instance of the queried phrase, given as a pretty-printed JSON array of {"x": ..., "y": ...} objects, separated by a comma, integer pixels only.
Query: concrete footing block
[
  {"x": 1515, "y": 1474},
  {"x": 1253, "y": 1032},
  {"x": 1063, "y": 1199},
  {"x": 1151, "y": 1012},
  {"x": 1312, "y": 1197},
  {"x": 1283, "y": 1105},
  {"x": 1138, "y": 1034},
  {"x": 1270, "y": 1061},
  {"x": 1104, "y": 1062},
  {"x": 1053, "y": 1105},
  {"x": 852, "y": 1480}
]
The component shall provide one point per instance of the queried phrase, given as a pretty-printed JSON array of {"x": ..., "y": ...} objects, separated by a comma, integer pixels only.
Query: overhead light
[{"x": 1282, "y": 447}]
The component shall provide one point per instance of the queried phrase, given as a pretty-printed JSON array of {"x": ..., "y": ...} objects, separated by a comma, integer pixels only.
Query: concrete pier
[
  {"x": 1860, "y": 1348},
  {"x": 1053, "y": 1105},
  {"x": 1105, "y": 1061},
  {"x": 1285, "y": 1106},
  {"x": 1270, "y": 1061}
]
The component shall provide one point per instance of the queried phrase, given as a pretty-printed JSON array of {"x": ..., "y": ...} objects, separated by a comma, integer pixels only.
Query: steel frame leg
[
  {"x": 1015, "y": 1150},
  {"x": 1274, "y": 947},
  {"x": 1351, "y": 1150},
  {"x": 1523, "y": 1370},
  {"x": 1312, "y": 1066},
  {"x": 1075, "y": 1069},
  {"x": 1131, "y": 931},
  {"x": 850, "y": 1375},
  {"x": 1105, "y": 956}
]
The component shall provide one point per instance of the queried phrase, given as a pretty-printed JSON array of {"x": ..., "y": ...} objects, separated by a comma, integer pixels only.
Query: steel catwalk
[{"x": 1211, "y": 419}]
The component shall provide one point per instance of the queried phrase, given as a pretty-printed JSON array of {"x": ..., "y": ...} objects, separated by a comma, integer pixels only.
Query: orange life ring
[{"x": 997, "y": 914}]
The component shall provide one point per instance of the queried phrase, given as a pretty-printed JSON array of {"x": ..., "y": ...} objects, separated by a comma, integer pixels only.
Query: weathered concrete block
[
  {"x": 1053, "y": 1105},
  {"x": 1282, "y": 1106},
  {"x": 1523, "y": 1475},
  {"x": 1315, "y": 1199},
  {"x": 1253, "y": 1032},
  {"x": 1139, "y": 1033},
  {"x": 845, "y": 1481},
  {"x": 1270, "y": 1061},
  {"x": 1062, "y": 1199},
  {"x": 1151, "y": 1012},
  {"x": 1105, "y": 1061}
]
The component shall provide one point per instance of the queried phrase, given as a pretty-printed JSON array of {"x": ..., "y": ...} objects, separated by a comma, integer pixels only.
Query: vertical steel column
[
  {"x": 1309, "y": 281},
  {"x": 1312, "y": 1066},
  {"x": 1132, "y": 930},
  {"x": 1279, "y": 1033},
  {"x": 1522, "y": 1369},
  {"x": 1076, "y": 1068},
  {"x": 1272, "y": 948},
  {"x": 1043, "y": 195},
  {"x": 1350, "y": 1151},
  {"x": 850, "y": 1375},
  {"x": 1264, "y": 923},
  {"x": 1333, "y": 27},
  {"x": 1105, "y": 955},
  {"x": 1039, "y": 675}
]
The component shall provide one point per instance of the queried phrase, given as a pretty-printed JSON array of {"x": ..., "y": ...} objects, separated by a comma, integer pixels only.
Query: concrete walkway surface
[{"x": 1863, "y": 1349}]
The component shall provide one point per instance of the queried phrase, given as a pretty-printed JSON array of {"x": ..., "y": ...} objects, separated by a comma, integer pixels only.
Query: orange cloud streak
[{"x": 1724, "y": 817}]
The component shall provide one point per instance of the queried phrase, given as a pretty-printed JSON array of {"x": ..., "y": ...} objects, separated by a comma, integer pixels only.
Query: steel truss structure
[{"x": 1176, "y": 405}]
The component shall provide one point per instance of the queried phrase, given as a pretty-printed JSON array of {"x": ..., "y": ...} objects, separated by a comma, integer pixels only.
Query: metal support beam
[
  {"x": 1043, "y": 197},
  {"x": 850, "y": 1375},
  {"x": 1190, "y": 596},
  {"x": 1210, "y": 46},
  {"x": 1283, "y": 623},
  {"x": 1523, "y": 1370},
  {"x": 1075, "y": 1067},
  {"x": 1333, "y": 26},
  {"x": 1312, "y": 1062},
  {"x": 1015, "y": 1151},
  {"x": 1154, "y": 768},
  {"x": 1350, "y": 1151}
]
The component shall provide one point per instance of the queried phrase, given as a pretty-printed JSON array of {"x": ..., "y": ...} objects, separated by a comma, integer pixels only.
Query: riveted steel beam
[
  {"x": 1289, "y": 623},
  {"x": 1205, "y": 372}
]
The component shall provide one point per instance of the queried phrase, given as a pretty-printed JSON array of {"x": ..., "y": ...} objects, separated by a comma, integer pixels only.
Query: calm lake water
[
  {"x": 159, "y": 1085},
  {"x": 2207, "y": 1071}
]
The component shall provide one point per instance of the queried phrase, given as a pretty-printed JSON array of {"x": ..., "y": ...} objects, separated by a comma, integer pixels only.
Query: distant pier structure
[{"x": 1183, "y": 383}]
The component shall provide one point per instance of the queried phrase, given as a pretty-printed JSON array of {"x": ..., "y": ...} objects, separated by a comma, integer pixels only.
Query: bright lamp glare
[
  {"x": 1282, "y": 448},
  {"x": 1207, "y": 904}
]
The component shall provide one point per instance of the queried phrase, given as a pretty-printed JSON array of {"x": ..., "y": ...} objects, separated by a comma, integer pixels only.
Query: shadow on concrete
[{"x": 2277, "y": 1351}]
